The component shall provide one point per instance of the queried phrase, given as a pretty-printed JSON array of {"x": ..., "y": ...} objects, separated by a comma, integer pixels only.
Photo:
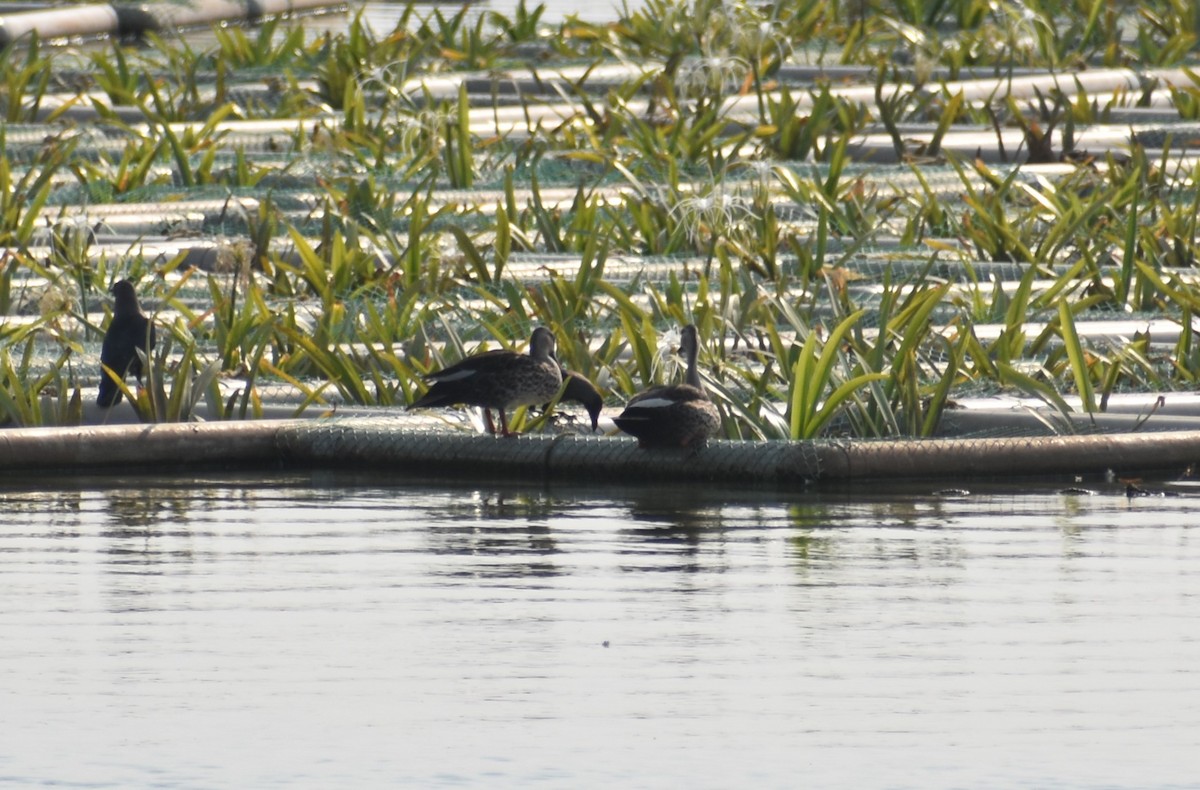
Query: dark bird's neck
[{"x": 126, "y": 304}]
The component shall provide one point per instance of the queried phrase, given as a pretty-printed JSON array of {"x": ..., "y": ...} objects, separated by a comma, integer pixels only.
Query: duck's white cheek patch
[
  {"x": 654, "y": 403},
  {"x": 462, "y": 374}
]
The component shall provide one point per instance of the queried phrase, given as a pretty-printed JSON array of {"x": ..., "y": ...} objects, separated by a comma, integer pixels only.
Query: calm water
[{"x": 330, "y": 632}]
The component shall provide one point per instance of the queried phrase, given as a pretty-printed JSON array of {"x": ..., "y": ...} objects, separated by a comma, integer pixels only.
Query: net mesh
[{"x": 389, "y": 443}]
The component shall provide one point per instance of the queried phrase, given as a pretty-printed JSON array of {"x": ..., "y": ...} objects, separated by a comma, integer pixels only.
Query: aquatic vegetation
[
  {"x": 391, "y": 198},
  {"x": 29, "y": 397}
]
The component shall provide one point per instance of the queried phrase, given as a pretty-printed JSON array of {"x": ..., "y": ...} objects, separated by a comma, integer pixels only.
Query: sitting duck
[
  {"x": 499, "y": 379},
  {"x": 680, "y": 415}
]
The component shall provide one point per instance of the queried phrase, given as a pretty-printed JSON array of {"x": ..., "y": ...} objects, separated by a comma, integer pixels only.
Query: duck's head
[
  {"x": 581, "y": 391},
  {"x": 689, "y": 341},
  {"x": 541, "y": 343}
]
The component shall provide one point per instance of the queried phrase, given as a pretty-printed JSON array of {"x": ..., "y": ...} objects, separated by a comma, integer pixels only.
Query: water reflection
[
  {"x": 61, "y": 508},
  {"x": 505, "y": 532},
  {"x": 677, "y": 510},
  {"x": 349, "y": 631},
  {"x": 808, "y": 547},
  {"x": 501, "y": 505},
  {"x": 132, "y": 510}
]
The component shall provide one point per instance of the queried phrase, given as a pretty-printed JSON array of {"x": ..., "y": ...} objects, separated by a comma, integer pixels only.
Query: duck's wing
[
  {"x": 471, "y": 381},
  {"x": 484, "y": 364},
  {"x": 659, "y": 397}
]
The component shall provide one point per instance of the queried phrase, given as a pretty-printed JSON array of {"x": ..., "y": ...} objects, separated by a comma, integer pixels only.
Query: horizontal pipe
[
  {"x": 1043, "y": 422},
  {"x": 73, "y": 22},
  {"x": 130, "y": 20},
  {"x": 1055, "y": 456},
  {"x": 571, "y": 458},
  {"x": 155, "y": 17},
  {"x": 118, "y": 448},
  {"x": 380, "y": 443}
]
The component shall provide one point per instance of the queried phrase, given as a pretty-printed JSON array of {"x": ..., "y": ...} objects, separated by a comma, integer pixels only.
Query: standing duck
[
  {"x": 577, "y": 389},
  {"x": 499, "y": 380},
  {"x": 128, "y": 332},
  {"x": 673, "y": 416},
  {"x": 583, "y": 392}
]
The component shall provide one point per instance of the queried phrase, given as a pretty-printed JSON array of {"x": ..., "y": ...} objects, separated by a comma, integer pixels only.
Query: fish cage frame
[{"x": 386, "y": 443}]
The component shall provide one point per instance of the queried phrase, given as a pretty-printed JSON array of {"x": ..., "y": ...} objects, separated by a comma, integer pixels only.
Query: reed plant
[
  {"x": 742, "y": 186},
  {"x": 26, "y": 81},
  {"x": 24, "y": 192},
  {"x": 32, "y": 398},
  {"x": 273, "y": 43}
]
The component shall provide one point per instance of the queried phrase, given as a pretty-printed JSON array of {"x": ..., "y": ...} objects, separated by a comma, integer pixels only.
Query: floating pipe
[
  {"x": 382, "y": 443},
  {"x": 156, "y": 17},
  {"x": 1040, "y": 422},
  {"x": 1136, "y": 454},
  {"x": 1093, "y": 83},
  {"x": 568, "y": 458},
  {"x": 118, "y": 448},
  {"x": 598, "y": 79},
  {"x": 133, "y": 20},
  {"x": 1008, "y": 146},
  {"x": 73, "y": 22}
]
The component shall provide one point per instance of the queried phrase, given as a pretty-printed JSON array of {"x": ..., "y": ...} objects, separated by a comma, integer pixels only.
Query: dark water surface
[{"x": 343, "y": 632}]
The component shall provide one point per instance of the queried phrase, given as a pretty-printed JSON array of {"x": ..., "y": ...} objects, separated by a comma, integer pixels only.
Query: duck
[
  {"x": 128, "y": 332},
  {"x": 679, "y": 415},
  {"x": 499, "y": 380},
  {"x": 577, "y": 389}
]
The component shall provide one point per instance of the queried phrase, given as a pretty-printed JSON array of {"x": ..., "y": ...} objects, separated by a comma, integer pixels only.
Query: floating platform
[{"x": 383, "y": 443}]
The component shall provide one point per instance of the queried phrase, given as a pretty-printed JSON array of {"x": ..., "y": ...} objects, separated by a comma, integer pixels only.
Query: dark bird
[
  {"x": 579, "y": 390},
  {"x": 673, "y": 416},
  {"x": 128, "y": 331},
  {"x": 499, "y": 380}
]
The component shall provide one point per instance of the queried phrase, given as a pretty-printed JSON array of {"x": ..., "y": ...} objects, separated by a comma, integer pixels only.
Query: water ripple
[{"x": 316, "y": 632}]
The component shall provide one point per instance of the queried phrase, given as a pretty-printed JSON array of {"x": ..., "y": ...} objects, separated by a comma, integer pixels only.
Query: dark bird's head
[
  {"x": 581, "y": 391},
  {"x": 125, "y": 296}
]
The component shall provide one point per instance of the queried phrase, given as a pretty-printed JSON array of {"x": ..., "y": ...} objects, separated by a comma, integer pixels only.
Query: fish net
[
  {"x": 571, "y": 458},
  {"x": 393, "y": 445},
  {"x": 387, "y": 443}
]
